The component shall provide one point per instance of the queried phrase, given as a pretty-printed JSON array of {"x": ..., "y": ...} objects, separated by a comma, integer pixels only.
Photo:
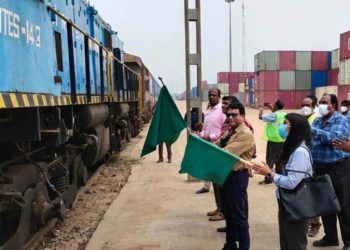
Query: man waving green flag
[{"x": 166, "y": 125}]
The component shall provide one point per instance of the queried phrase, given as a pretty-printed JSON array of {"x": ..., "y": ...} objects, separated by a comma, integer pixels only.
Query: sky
[{"x": 154, "y": 30}]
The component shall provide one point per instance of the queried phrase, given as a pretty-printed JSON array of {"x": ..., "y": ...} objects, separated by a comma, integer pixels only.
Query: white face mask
[
  {"x": 343, "y": 109},
  {"x": 306, "y": 111},
  {"x": 323, "y": 109}
]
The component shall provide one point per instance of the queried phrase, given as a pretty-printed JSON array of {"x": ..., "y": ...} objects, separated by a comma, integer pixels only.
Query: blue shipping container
[
  {"x": 330, "y": 60},
  {"x": 251, "y": 99},
  {"x": 251, "y": 83},
  {"x": 318, "y": 79}
]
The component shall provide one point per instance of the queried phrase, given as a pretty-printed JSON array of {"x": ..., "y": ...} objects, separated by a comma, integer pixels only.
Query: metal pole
[
  {"x": 230, "y": 39},
  {"x": 199, "y": 52},
  {"x": 188, "y": 76}
]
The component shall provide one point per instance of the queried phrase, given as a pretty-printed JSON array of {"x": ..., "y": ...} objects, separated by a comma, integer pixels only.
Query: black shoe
[
  {"x": 202, "y": 190},
  {"x": 227, "y": 247},
  {"x": 264, "y": 182},
  {"x": 324, "y": 242},
  {"x": 221, "y": 229}
]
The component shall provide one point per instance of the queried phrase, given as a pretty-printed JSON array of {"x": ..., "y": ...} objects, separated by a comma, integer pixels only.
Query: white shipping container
[
  {"x": 320, "y": 91},
  {"x": 287, "y": 80},
  {"x": 335, "y": 59},
  {"x": 241, "y": 87},
  {"x": 303, "y": 60},
  {"x": 266, "y": 60},
  {"x": 344, "y": 72},
  {"x": 302, "y": 79},
  {"x": 212, "y": 86},
  {"x": 223, "y": 88}
]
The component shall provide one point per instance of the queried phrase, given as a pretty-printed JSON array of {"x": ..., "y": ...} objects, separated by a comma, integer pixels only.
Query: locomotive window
[{"x": 58, "y": 41}]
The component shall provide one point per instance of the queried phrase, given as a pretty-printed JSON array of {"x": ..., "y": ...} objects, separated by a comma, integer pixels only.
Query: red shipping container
[
  {"x": 320, "y": 60},
  {"x": 333, "y": 77},
  {"x": 299, "y": 96},
  {"x": 233, "y": 88},
  {"x": 269, "y": 96},
  {"x": 343, "y": 93},
  {"x": 268, "y": 80},
  {"x": 222, "y": 77},
  {"x": 233, "y": 78},
  {"x": 344, "y": 52},
  {"x": 288, "y": 97},
  {"x": 243, "y": 76},
  {"x": 287, "y": 60}
]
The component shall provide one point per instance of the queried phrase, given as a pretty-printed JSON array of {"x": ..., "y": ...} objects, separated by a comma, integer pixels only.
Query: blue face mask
[{"x": 282, "y": 131}]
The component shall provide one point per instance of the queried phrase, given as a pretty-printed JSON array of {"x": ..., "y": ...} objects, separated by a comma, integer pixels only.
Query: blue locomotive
[{"x": 69, "y": 97}]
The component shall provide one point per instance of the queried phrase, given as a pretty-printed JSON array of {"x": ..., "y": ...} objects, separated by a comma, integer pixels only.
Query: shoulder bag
[{"x": 312, "y": 197}]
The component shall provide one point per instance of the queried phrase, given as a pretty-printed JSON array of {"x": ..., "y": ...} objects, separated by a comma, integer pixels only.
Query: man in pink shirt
[{"x": 214, "y": 120}]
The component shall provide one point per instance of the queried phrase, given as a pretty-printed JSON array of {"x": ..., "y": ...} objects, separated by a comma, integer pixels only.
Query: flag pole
[{"x": 161, "y": 80}]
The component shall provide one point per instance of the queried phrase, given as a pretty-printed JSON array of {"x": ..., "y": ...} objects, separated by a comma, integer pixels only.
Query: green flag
[
  {"x": 206, "y": 161},
  {"x": 166, "y": 125}
]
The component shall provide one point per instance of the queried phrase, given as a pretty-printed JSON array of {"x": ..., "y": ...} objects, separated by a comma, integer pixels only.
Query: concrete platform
[{"x": 158, "y": 208}]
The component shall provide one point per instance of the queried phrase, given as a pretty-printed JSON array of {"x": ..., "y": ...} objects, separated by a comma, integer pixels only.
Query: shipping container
[
  {"x": 333, "y": 77},
  {"x": 344, "y": 52},
  {"x": 266, "y": 60},
  {"x": 205, "y": 96},
  {"x": 204, "y": 85},
  {"x": 243, "y": 76},
  {"x": 288, "y": 97},
  {"x": 286, "y": 80},
  {"x": 222, "y": 77},
  {"x": 223, "y": 88},
  {"x": 267, "y": 80},
  {"x": 269, "y": 96},
  {"x": 335, "y": 59},
  {"x": 212, "y": 86},
  {"x": 194, "y": 91},
  {"x": 287, "y": 60},
  {"x": 318, "y": 79},
  {"x": 320, "y": 91},
  {"x": 241, "y": 87},
  {"x": 299, "y": 96},
  {"x": 233, "y": 88},
  {"x": 251, "y": 83},
  {"x": 321, "y": 60},
  {"x": 251, "y": 98},
  {"x": 343, "y": 93},
  {"x": 233, "y": 77},
  {"x": 302, "y": 80},
  {"x": 303, "y": 60},
  {"x": 258, "y": 98},
  {"x": 344, "y": 72}
]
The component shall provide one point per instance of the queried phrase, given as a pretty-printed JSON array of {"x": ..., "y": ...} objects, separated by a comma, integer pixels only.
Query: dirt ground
[{"x": 91, "y": 205}]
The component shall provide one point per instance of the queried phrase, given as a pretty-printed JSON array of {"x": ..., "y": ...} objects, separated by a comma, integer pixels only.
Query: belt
[{"x": 332, "y": 164}]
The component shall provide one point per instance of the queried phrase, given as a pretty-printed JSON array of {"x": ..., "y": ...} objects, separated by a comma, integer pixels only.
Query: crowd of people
[{"x": 314, "y": 141}]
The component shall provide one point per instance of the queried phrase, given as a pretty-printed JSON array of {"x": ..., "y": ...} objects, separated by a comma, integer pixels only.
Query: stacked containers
[
  {"x": 297, "y": 74},
  {"x": 344, "y": 56},
  {"x": 233, "y": 79}
]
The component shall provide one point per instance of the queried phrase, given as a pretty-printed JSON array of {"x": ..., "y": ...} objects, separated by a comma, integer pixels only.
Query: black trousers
[
  {"x": 160, "y": 150},
  {"x": 273, "y": 150},
  {"x": 217, "y": 193},
  {"x": 235, "y": 209},
  {"x": 340, "y": 176},
  {"x": 293, "y": 234}
]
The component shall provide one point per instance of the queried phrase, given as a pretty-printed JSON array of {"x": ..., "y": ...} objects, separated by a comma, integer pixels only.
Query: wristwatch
[{"x": 270, "y": 174}]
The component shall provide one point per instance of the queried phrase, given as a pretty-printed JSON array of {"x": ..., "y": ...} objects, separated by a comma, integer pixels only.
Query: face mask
[
  {"x": 306, "y": 111},
  {"x": 323, "y": 109},
  {"x": 343, "y": 109},
  {"x": 282, "y": 131}
]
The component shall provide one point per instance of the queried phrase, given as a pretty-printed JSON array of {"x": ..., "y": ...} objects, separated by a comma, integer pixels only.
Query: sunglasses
[{"x": 233, "y": 115}]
